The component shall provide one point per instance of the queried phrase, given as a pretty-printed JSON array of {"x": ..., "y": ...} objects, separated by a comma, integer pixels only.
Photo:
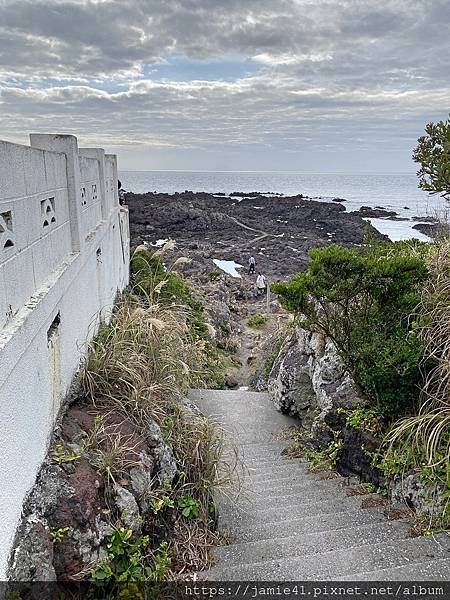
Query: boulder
[
  {"x": 309, "y": 377},
  {"x": 231, "y": 381},
  {"x": 290, "y": 384},
  {"x": 129, "y": 510},
  {"x": 427, "y": 499}
]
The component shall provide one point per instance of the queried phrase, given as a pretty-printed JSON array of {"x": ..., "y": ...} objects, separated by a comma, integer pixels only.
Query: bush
[
  {"x": 362, "y": 300},
  {"x": 257, "y": 321}
]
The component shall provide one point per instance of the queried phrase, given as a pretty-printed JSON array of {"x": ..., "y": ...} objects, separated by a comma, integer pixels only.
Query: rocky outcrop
[
  {"x": 308, "y": 379},
  {"x": 427, "y": 499},
  {"x": 93, "y": 479},
  {"x": 279, "y": 231}
]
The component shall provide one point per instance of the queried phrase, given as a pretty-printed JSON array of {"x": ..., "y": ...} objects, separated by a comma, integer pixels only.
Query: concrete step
[
  {"x": 335, "y": 564},
  {"x": 276, "y": 472},
  {"x": 312, "y": 543},
  {"x": 290, "y": 479},
  {"x": 431, "y": 570},
  {"x": 292, "y": 525},
  {"x": 255, "y": 513},
  {"x": 284, "y": 488},
  {"x": 271, "y": 463},
  {"x": 304, "y": 525},
  {"x": 308, "y": 494}
]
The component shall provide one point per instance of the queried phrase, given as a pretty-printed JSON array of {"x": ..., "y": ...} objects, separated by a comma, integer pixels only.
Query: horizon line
[{"x": 284, "y": 172}]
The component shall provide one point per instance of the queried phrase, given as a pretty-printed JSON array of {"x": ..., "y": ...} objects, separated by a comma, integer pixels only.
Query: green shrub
[
  {"x": 365, "y": 419},
  {"x": 257, "y": 321},
  {"x": 214, "y": 275},
  {"x": 130, "y": 559},
  {"x": 363, "y": 300}
]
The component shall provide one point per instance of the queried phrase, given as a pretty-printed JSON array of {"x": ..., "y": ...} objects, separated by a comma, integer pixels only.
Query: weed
[
  {"x": 131, "y": 560},
  {"x": 367, "y": 419},
  {"x": 189, "y": 507},
  {"x": 58, "y": 535},
  {"x": 334, "y": 449},
  {"x": 61, "y": 455},
  {"x": 159, "y": 503},
  {"x": 257, "y": 321}
]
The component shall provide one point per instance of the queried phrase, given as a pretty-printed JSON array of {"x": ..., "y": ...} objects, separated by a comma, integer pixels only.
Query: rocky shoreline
[{"x": 278, "y": 230}]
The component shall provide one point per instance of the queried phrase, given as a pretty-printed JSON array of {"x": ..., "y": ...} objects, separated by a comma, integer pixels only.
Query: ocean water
[{"x": 393, "y": 191}]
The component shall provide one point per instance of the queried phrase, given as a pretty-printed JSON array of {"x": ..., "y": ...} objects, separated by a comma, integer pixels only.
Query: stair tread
[
  {"x": 332, "y": 564},
  {"x": 289, "y": 524},
  {"x": 312, "y": 543}
]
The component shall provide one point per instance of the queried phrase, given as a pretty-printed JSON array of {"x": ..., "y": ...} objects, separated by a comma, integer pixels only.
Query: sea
[{"x": 393, "y": 191}]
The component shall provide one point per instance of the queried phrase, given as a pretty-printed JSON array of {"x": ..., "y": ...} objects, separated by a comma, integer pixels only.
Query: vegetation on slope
[
  {"x": 155, "y": 283},
  {"x": 363, "y": 300},
  {"x": 155, "y": 347},
  {"x": 387, "y": 309}
]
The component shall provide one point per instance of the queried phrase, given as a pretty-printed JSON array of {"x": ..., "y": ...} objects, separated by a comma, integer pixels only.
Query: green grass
[{"x": 257, "y": 321}]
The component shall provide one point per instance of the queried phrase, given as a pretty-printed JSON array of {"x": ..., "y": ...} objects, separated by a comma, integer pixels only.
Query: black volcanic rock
[
  {"x": 278, "y": 231},
  {"x": 377, "y": 212},
  {"x": 433, "y": 229}
]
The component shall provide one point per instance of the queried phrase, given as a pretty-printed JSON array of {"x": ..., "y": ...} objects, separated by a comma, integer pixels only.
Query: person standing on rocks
[
  {"x": 261, "y": 284},
  {"x": 251, "y": 265}
]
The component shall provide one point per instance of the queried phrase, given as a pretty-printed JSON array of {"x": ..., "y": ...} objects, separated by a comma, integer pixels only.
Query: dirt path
[{"x": 253, "y": 340}]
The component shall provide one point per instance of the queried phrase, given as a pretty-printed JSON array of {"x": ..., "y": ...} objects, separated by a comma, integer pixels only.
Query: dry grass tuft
[
  {"x": 139, "y": 366},
  {"x": 426, "y": 436},
  {"x": 141, "y": 360}
]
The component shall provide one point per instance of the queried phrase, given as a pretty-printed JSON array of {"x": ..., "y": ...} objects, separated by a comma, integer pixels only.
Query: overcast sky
[{"x": 303, "y": 85}]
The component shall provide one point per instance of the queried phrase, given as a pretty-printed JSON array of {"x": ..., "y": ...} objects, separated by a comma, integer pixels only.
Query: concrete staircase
[{"x": 288, "y": 524}]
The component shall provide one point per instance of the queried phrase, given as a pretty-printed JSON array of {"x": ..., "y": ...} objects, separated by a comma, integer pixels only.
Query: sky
[{"x": 270, "y": 85}]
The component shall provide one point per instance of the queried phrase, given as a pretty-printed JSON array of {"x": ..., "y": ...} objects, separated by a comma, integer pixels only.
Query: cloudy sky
[{"x": 303, "y": 85}]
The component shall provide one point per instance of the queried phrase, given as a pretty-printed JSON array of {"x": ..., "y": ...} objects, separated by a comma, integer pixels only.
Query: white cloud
[{"x": 329, "y": 73}]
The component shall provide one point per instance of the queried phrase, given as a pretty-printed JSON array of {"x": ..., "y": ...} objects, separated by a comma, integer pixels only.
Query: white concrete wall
[{"x": 64, "y": 254}]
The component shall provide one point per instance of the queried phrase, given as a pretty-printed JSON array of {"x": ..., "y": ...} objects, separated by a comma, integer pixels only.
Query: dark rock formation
[
  {"x": 432, "y": 229},
  {"x": 278, "y": 231},
  {"x": 377, "y": 212}
]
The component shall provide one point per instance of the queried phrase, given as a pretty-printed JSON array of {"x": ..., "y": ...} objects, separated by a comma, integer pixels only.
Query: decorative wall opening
[
  {"x": 48, "y": 212},
  {"x": 6, "y": 230},
  {"x": 83, "y": 196},
  {"x": 94, "y": 192}
]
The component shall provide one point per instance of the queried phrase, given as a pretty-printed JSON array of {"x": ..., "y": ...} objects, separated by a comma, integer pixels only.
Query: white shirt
[{"x": 261, "y": 281}]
